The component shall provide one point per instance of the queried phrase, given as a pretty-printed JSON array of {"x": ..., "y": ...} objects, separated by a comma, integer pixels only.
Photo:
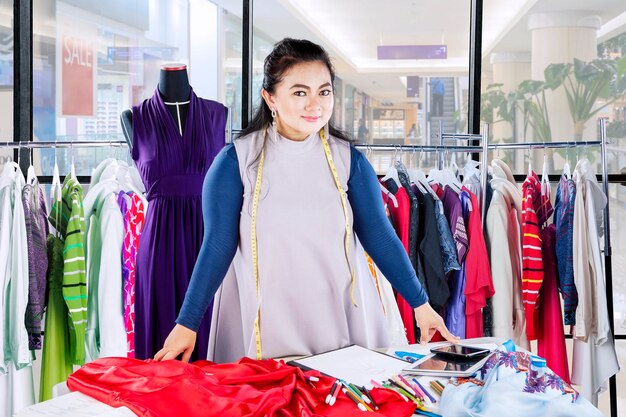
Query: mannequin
[{"x": 175, "y": 89}]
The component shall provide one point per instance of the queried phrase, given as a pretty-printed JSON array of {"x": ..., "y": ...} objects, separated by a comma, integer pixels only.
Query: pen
[
  {"x": 408, "y": 384},
  {"x": 358, "y": 393},
  {"x": 330, "y": 395},
  {"x": 369, "y": 395},
  {"x": 376, "y": 384},
  {"x": 406, "y": 394},
  {"x": 396, "y": 391},
  {"x": 436, "y": 388},
  {"x": 425, "y": 391},
  {"x": 352, "y": 389},
  {"x": 362, "y": 406}
]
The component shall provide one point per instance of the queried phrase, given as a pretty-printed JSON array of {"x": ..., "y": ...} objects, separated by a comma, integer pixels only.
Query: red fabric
[
  {"x": 532, "y": 261},
  {"x": 438, "y": 190},
  {"x": 246, "y": 388},
  {"x": 478, "y": 282},
  {"x": 401, "y": 216},
  {"x": 550, "y": 334}
]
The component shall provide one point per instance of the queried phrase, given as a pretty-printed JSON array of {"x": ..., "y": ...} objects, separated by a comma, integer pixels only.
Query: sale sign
[{"x": 77, "y": 76}]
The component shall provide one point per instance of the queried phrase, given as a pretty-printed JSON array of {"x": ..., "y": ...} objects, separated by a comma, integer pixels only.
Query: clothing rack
[
  {"x": 63, "y": 144},
  {"x": 608, "y": 271},
  {"x": 483, "y": 149}
]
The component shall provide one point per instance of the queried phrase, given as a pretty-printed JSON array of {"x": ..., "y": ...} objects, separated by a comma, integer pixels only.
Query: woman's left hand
[{"x": 429, "y": 322}]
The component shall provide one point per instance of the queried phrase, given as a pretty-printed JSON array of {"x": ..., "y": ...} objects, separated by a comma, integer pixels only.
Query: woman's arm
[{"x": 383, "y": 245}]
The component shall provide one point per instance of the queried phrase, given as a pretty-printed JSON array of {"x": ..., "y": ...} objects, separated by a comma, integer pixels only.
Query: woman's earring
[{"x": 274, "y": 129}]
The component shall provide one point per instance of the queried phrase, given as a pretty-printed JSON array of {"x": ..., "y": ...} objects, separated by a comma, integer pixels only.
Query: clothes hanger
[
  {"x": 417, "y": 177},
  {"x": 566, "y": 168},
  {"x": 530, "y": 163},
  {"x": 392, "y": 171},
  {"x": 72, "y": 168},
  {"x": 545, "y": 179}
]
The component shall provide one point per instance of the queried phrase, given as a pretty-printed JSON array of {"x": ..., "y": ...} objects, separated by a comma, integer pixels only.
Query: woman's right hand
[{"x": 180, "y": 340}]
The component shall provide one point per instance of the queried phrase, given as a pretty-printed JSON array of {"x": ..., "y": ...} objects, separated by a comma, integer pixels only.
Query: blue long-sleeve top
[{"x": 222, "y": 199}]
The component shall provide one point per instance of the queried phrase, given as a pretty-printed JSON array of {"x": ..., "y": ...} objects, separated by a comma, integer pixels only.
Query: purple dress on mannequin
[{"x": 172, "y": 169}]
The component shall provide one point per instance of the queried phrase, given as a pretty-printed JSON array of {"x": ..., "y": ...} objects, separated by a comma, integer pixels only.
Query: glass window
[
  {"x": 6, "y": 78},
  {"x": 401, "y": 71},
  {"x": 91, "y": 62},
  {"x": 549, "y": 74}
]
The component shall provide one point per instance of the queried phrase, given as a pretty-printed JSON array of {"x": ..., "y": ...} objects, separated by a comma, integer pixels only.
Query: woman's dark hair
[{"x": 286, "y": 54}]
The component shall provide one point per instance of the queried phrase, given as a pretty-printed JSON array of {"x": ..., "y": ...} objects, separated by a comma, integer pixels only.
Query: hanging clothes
[
  {"x": 68, "y": 219},
  {"x": 550, "y": 334},
  {"x": 133, "y": 212},
  {"x": 414, "y": 224},
  {"x": 172, "y": 168},
  {"x": 595, "y": 358},
  {"x": 532, "y": 260},
  {"x": 16, "y": 377},
  {"x": 56, "y": 359},
  {"x": 455, "y": 310},
  {"x": 446, "y": 241},
  {"x": 429, "y": 252},
  {"x": 37, "y": 230},
  {"x": 478, "y": 282},
  {"x": 106, "y": 333},
  {"x": 402, "y": 219},
  {"x": 564, "y": 221},
  {"x": 505, "y": 255}
]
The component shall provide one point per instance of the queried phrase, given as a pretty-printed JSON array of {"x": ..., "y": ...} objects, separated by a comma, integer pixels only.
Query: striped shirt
[
  {"x": 532, "y": 260},
  {"x": 71, "y": 227}
]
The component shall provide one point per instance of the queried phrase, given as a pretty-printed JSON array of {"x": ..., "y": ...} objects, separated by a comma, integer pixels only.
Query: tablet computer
[
  {"x": 436, "y": 365},
  {"x": 459, "y": 352}
]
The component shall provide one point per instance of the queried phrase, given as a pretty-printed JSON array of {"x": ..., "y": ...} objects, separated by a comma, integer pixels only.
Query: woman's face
[{"x": 303, "y": 100}]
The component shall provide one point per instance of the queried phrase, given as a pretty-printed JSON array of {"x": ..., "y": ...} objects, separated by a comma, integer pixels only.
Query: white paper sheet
[{"x": 355, "y": 364}]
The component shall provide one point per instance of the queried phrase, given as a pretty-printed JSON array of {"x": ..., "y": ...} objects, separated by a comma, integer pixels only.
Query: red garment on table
[
  {"x": 401, "y": 217},
  {"x": 550, "y": 334},
  {"x": 478, "y": 282},
  {"x": 243, "y": 389}
]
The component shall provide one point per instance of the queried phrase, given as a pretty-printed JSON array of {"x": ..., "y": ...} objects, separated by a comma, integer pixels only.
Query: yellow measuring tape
[{"x": 255, "y": 249}]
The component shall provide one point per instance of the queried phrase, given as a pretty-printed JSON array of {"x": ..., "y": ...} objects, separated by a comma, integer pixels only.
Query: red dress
[
  {"x": 478, "y": 282},
  {"x": 550, "y": 334},
  {"x": 243, "y": 389}
]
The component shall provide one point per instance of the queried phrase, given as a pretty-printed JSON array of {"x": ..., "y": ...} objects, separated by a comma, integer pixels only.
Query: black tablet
[{"x": 459, "y": 352}]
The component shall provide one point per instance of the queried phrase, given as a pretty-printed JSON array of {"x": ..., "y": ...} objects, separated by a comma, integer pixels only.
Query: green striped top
[{"x": 67, "y": 217}]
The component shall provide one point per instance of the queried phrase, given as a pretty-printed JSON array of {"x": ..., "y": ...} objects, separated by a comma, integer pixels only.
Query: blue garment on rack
[
  {"x": 564, "y": 222},
  {"x": 446, "y": 241}
]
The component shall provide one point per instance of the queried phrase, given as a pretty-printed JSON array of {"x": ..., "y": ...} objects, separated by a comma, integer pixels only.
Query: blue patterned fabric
[
  {"x": 446, "y": 242},
  {"x": 529, "y": 387},
  {"x": 564, "y": 222}
]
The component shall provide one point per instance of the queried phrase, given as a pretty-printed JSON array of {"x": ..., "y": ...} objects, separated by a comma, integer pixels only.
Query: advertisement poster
[{"x": 77, "y": 67}]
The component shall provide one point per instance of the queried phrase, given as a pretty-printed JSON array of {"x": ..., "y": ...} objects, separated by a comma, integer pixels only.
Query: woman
[{"x": 282, "y": 206}]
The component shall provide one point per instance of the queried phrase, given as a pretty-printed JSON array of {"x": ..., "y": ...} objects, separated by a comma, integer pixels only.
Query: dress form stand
[{"x": 175, "y": 90}]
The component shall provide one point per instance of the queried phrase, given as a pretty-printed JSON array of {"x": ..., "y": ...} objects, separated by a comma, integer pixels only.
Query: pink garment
[
  {"x": 133, "y": 211},
  {"x": 550, "y": 335}
]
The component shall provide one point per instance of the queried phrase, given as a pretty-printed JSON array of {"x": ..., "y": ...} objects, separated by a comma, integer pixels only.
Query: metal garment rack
[
  {"x": 608, "y": 271},
  {"x": 484, "y": 148},
  {"x": 63, "y": 144}
]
